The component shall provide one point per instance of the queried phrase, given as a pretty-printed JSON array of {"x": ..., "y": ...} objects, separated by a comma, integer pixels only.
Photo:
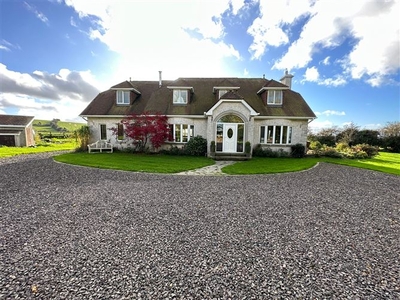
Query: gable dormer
[
  {"x": 181, "y": 94},
  {"x": 219, "y": 91},
  {"x": 272, "y": 93},
  {"x": 125, "y": 93}
]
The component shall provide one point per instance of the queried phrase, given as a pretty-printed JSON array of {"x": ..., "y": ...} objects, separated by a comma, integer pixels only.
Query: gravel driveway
[{"x": 70, "y": 232}]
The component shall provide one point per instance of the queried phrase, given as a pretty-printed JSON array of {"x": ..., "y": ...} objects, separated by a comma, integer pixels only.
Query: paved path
[{"x": 209, "y": 170}]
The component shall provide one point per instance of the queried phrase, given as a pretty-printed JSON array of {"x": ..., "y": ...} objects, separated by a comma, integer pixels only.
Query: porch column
[{"x": 210, "y": 133}]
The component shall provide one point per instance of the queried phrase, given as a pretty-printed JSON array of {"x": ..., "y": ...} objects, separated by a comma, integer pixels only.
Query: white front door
[{"x": 230, "y": 138}]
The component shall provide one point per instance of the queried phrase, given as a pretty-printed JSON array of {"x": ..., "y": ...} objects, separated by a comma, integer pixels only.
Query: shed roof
[{"x": 13, "y": 120}]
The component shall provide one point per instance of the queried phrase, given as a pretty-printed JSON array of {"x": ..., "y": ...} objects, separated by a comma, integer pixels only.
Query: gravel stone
[{"x": 69, "y": 232}]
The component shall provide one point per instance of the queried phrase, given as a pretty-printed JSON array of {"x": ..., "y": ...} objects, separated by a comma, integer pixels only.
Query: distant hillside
[{"x": 55, "y": 126}]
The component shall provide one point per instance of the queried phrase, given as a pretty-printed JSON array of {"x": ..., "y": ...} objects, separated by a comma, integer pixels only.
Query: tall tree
[
  {"x": 348, "y": 133},
  {"x": 391, "y": 129}
]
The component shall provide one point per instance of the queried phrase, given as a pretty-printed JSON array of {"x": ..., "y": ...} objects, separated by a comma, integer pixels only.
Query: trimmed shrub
[
  {"x": 370, "y": 150},
  {"x": 298, "y": 150},
  {"x": 174, "y": 150},
  {"x": 196, "y": 146},
  {"x": 266, "y": 152},
  {"x": 392, "y": 143},
  {"x": 247, "y": 147},
  {"x": 331, "y": 152},
  {"x": 315, "y": 145}
]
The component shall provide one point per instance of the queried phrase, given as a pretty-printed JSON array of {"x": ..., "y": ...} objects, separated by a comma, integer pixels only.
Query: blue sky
[{"x": 56, "y": 55}]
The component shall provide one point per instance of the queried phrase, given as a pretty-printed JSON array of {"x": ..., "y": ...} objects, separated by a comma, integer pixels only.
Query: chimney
[
  {"x": 263, "y": 76},
  {"x": 287, "y": 79},
  {"x": 159, "y": 79}
]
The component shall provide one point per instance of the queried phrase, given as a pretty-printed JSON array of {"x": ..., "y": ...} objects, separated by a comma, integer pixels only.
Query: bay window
[
  {"x": 276, "y": 135},
  {"x": 181, "y": 133}
]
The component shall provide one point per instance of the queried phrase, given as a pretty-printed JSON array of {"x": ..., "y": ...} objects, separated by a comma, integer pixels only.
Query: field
[{"x": 55, "y": 128}]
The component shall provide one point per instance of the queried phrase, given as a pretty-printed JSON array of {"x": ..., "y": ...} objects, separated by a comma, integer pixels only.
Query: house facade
[
  {"x": 16, "y": 131},
  {"x": 229, "y": 111}
]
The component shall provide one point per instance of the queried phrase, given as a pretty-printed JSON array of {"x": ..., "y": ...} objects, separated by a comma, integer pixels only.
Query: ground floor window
[
  {"x": 103, "y": 131},
  {"x": 276, "y": 135},
  {"x": 180, "y": 133},
  {"x": 120, "y": 131}
]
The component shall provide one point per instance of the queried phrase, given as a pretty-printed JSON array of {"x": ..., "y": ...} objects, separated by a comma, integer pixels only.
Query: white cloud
[
  {"x": 72, "y": 22},
  {"x": 6, "y": 45},
  {"x": 311, "y": 74},
  {"x": 158, "y": 37},
  {"x": 66, "y": 109},
  {"x": 326, "y": 61},
  {"x": 62, "y": 95},
  {"x": 266, "y": 30},
  {"x": 371, "y": 24},
  {"x": 79, "y": 86},
  {"x": 339, "y": 80},
  {"x": 37, "y": 13},
  {"x": 237, "y": 5},
  {"x": 331, "y": 113},
  {"x": 317, "y": 125}
]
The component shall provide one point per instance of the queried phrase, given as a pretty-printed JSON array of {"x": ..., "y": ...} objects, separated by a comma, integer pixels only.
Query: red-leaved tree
[{"x": 146, "y": 127}]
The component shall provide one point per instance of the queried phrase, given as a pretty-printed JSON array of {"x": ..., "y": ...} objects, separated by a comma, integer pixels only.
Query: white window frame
[
  {"x": 275, "y": 97},
  {"x": 264, "y": 139},
  {"x": 178, "y": 95},
  {"x": 105, "y": 131},
  {"x": 123, "y": 97},
  {"x": 182, "y": 128}
]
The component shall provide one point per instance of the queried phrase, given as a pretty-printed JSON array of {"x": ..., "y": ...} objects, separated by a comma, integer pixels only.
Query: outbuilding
[{"x": 16, "y": 131}]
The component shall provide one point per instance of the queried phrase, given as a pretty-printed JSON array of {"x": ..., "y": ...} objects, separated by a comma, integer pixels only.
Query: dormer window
[
  {"x": 180, "y": 97},
  {"x": 123, "y": 97},
  {"x": 274, "y": 97},
  {"x": 221, "y": 93}
]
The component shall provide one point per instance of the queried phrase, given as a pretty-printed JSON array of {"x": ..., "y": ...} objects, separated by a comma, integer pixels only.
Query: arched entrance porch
[{"x": 230, "y": 131}]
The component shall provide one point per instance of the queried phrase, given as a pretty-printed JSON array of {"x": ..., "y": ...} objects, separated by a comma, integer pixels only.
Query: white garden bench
[{"x": 100, "y": 146}]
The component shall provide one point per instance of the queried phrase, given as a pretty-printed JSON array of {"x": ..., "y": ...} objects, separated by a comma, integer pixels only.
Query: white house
[{"x": 229, "y": 111}]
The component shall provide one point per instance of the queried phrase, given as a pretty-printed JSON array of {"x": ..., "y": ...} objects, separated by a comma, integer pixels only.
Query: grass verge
[
  {"x": 269, "y": 165},
  {"x": 155, "y": 163},
  {"x": 384, "y": 162},
  {"x": 51, "y": 147}
]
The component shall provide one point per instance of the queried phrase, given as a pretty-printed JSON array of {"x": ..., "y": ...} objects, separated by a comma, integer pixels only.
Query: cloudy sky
[{"x": 56, "y": 55}]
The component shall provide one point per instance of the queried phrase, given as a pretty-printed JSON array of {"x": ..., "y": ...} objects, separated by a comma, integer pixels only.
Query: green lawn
[
  {"x": 155, "y": 163},
  {"x": 268, "y": 165},
  {"x": 50, "y": 147},
  {"x": 384, "y": 162}
]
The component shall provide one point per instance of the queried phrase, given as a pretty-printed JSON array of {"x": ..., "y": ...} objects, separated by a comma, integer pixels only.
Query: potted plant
[{"x": 247, "y": 148}]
